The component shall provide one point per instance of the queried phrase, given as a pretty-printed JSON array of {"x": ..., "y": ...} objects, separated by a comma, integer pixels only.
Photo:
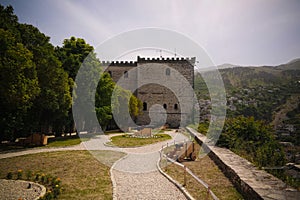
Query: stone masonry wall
[
  {"x": 251, "y": 182},
  {"x": 149, "y": 80}
]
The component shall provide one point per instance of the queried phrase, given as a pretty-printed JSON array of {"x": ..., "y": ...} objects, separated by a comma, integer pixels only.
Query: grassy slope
[
  {"x": 208, "y": 171},
  {"x": 83, "y": 176}
]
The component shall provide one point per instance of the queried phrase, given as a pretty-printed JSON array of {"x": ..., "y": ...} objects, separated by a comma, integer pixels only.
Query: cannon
[{"x": 183, "y": 151}]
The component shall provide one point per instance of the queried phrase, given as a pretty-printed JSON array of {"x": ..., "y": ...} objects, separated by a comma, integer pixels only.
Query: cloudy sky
[{"x": 242, "y": 32}]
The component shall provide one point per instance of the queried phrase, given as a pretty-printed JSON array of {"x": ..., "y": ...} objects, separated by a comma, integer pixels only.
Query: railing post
[
  {"x": 160, "y": 154},
  {"x": 184, "y": 174},
  {"x": 207, "y": 197}
]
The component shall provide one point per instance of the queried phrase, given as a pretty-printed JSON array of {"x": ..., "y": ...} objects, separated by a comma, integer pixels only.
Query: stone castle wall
[{"x": 165, "y": 81}]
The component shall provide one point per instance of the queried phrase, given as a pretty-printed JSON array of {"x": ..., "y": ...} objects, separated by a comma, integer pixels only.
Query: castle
[{"x": 158, "y": 81}]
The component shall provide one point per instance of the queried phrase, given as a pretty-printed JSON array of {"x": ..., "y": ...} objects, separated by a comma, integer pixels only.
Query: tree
[
  {"x": 135, "y": 106},
  {"x": 75, "y": 53},
  {"x": 72, "y": 54},
  {"x": 103, "y": 96},
  {"x": 253, "y": 140},
  {"x": 19, "y": 84},
  {"x": 9, "y": 21},
  {"x": 40, "y": 84},
  {"x": 54, "y": 101},
  {"x": 106, "y": 101}
]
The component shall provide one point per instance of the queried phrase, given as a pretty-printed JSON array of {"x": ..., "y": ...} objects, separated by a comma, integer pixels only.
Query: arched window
[
  {"x": 144, "y": 106},
  {"x": 126, "y": 74},
  {"x": 165, "y": 106},
  {"x": 175, "y": 106},
  {"x": 168, "y": 72},
  {"x": 110, "y": 73}
]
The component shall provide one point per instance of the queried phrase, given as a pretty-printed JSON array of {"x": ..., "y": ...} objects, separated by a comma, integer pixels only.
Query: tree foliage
[
  {"x": 37, "y": 81},
  {"x": 72, "y": 54},
  {"x": 35, "y": 90},
  {"x": 54, "y": 100},
  {"x": 253, "y": 140},
  {"x": 106, "y": 102},
  {"x": 19, "y": 83}
]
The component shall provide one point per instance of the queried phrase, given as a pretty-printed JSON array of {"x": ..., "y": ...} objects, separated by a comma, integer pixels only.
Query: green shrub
[
  {"x": 19, "y": 174},
  {"x": 9, "y": 175},
  {"x": 29, "y": 175}
]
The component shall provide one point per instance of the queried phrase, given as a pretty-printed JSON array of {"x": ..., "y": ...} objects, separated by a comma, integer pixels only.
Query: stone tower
[{"x": 163, "y": 83}]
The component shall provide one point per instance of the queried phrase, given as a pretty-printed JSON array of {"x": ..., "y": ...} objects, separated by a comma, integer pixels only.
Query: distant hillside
[
  {"x": 237, "y": 76},
  {"x": 258, "y": 91},
  {"x": 268, "y": 93}
]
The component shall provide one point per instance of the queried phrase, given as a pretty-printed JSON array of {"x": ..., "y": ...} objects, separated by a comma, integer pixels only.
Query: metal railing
[{"x": 187, "y": 170}]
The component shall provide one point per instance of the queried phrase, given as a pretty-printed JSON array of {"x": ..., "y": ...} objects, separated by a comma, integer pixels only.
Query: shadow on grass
[{"x": 63, "y": 141}]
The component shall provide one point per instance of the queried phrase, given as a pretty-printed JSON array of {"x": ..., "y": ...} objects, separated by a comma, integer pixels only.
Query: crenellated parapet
[
  {"x": 167, "y": 60},
  {"x": 119, "y": 63},
  {"x": 149, "y": 60}
]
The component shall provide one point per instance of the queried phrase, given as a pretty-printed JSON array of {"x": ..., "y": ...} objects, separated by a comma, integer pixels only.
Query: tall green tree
[
  {"x": 31, "y": 51},
  {"x": 19, "y": 84},
  {"x": 54, "y": 101},
  {"x": 75, "y": 53}
]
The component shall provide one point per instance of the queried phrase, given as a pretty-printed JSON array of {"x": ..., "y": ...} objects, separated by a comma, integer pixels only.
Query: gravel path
[
  {"x": 136, "y": 176},
  {"x": 150, "y": 185}
]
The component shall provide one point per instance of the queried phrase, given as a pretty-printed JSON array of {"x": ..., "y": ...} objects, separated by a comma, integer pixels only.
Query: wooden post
[
  {"x": 166, "y": 163},
  {"x": 160, "y": 154},
  {"x": 184, "y": 174},
  {"x": 186, "y": 150},
  {"x": 207, "y": 197}
]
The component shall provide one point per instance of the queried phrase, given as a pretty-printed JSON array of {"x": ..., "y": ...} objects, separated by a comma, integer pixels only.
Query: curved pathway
[
  {"x": 134, "y": 176},
  {"x": 137, "y": 177}
]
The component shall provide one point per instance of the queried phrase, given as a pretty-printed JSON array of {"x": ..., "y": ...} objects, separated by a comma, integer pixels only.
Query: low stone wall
[
  {"x": 251, "y": 182},
  {"x": 19, "y": 189}
]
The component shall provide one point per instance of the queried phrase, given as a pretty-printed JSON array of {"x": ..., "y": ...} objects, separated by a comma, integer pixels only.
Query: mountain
[
  {"x": 291, "y": 65},
  {"x": 226, "y": 65},
  {"x": 260, "y": 91},
  {"x": 259, "y": 76}
]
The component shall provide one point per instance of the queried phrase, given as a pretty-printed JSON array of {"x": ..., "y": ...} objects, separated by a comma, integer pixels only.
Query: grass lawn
[
  {"x": 52, "y": 142},
  {"x": 82, "y": 175},
  {"x": 5, "y": 147},
  {"x": 127, "y": 141},
  {"x": 208, "y": 171},
  {"x": 65, "y": 141}
]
